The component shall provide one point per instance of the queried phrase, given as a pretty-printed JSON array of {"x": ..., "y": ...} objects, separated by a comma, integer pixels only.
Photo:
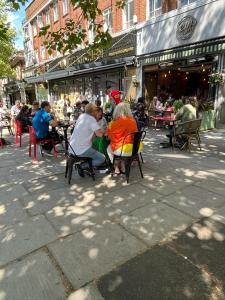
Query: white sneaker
[{"x": 47, "y": 153}]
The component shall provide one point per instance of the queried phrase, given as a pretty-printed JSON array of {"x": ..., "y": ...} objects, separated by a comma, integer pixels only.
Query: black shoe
[{"x": 80, "y": 171}]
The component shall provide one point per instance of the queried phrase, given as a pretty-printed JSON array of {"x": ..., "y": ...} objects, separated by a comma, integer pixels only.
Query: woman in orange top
[{"x": 123, "y": 123}]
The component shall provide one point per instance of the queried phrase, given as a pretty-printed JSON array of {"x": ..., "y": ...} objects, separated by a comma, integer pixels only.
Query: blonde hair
[
  {"x": 90, "y": 108},
  {"x": 122, "y": 110}
]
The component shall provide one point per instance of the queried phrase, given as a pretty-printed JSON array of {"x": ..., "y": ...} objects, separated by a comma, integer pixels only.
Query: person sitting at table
[
  {"x": 81, "y": 140},
  {"x": 83, "y": 105},
  {"x": 41, "y": 122},
  {"x": 23, "y": 117},
  {"x": 123, "y": 124},
  {"x": 140, "y": 116},
  {"x": 77, "y": 110},
  {"x": 185, "y": 113},
  {"x": 34, "y": 109}
]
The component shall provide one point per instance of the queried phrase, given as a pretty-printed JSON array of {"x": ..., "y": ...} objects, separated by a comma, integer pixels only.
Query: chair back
[
  {"x": 18, "y": 127},
  {"x": 192, "y": 126},
  {"x": 138, "y": 138},
  {"x": 32, "y": 134}
]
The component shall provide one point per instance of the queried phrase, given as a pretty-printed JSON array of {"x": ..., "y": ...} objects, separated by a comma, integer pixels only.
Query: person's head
[
  {"x": 22, "y": 104},
  {"x": 155, "y": 99},
  {"x": 24, "y": 110},
  {"x": 1, "y": 103},
  {"x": 99, "y": 113},
  {"x": 78, "y": 104},
  {"x": 108, "y": 89},
  {"x": 98, "y": 103},
  {"x": 122, "y": 110},
  {"x": 35, "y": 105},
  {"x": 192, "y": 101},
  {"x": 140, "y": 107},
  {"x": 84, "y": 103},
  {"x": 141, "y": 100},
  {"x": 91, "y": 109},
  {"x": 45, "y": 105},
  {"x": 17, "y": 103}
]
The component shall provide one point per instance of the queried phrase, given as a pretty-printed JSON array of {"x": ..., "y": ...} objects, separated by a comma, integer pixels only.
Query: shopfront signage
[
  {"x": 186, "y": 27},
  {"x": 121, "y": 51}
]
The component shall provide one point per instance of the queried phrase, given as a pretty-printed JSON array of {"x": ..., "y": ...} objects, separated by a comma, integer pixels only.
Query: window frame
[
  {"x": 42, "y": 52},
  {"x": 40, "y": 21},
  {"x": 47, "y": 17},
  {"x": 65, "y": 12},
  {"x": 156, "y": 11},
  {"x": 128, "y": 23},
  {"x": 55, "y": 16},
  {"x": 34, "y": 28},
  {"x": 107, "y": 14},
  {"x": 189, "y": 3}
]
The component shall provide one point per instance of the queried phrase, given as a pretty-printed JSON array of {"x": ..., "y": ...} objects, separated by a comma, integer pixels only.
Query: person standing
[{"x": 115, "y": 96}]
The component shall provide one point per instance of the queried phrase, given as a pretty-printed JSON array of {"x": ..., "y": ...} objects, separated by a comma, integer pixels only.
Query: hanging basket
[{"x": 216, "y": 78}]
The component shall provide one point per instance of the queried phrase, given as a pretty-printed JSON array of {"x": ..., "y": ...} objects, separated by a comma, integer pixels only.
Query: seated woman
[
  {"x": 123, "y": 124},
  {"x": 23, "y": 117}
]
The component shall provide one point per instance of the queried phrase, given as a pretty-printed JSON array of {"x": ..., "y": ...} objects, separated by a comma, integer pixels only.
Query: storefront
[{"x": 177, "y": 52}]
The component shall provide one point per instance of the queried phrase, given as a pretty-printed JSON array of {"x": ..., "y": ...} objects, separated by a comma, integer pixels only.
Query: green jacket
[{"x": 186, "y": 113}]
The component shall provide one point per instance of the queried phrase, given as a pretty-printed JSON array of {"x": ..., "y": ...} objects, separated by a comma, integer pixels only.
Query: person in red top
[{"x": 114, "y": 95}]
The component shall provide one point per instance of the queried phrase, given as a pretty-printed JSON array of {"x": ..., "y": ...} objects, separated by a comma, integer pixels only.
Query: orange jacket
[{"x": 118, "y": 129}]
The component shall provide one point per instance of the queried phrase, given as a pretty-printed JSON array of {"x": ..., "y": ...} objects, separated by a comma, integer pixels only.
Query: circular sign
[{"x": 186, "y": 27}]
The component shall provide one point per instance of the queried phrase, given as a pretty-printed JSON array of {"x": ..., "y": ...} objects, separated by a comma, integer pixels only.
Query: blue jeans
[{"x": 97, "y": 158}]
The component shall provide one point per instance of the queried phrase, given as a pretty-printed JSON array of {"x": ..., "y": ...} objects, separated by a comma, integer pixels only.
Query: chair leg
[
  {"x": 128, "y": 165},
  {"x": 66, "y": 172},
  {"x": 139, "y": 165},
  {"x": 141, "y": 157},
  {"x": 35, "y": 152},
  {"x": 199, "y": 141},
  {"x": 20, "y": 140},
  {"x": 70, "y": 170},
  {"x": 16, "y": 139}
]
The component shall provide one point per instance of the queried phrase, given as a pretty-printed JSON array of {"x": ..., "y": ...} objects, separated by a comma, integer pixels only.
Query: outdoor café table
[{"x": 170, "y": 120}]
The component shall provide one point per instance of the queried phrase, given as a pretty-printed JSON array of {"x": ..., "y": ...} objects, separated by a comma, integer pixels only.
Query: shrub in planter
[
  {"x": 207, "y": 114},
  {"x": 177, "y": 104}
]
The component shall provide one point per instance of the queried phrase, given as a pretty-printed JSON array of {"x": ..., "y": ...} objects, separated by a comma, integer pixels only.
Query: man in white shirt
[
  {"x": 81, "y": 140},
  {"x": 15, "y": 108}
]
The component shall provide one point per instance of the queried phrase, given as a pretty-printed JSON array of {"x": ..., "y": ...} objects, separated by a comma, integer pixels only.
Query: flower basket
[{"x": 216, "y": 78}]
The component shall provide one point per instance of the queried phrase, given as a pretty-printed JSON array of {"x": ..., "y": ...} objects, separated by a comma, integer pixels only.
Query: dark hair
[
  {"x": 141, "y": 100},
  {"x": 36, "y": 103},
  {"x": 108, "y": 87},
  {"x": 99, "y": 109},
  {"x": 44, "y": 104},
  {"x": 85, "y": 102},
  {"x": 98, "y": 103}
]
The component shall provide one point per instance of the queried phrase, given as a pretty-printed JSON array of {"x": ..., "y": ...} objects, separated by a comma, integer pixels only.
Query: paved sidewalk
[{"x": 162, "y": 237}]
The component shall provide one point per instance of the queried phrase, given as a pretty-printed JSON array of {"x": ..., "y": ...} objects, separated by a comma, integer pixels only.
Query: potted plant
[
  {"x": 207, "y": 114},
  {"x": 216, "y": 78}
]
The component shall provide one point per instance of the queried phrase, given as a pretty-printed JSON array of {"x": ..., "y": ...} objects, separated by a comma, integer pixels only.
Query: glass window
[
  {"x": 128, "y": 14},
  {"x": 34, "y": 27},
  {"x": 91, "y": 32},
  {"x": 107, "y": 17},
  {"x": 65, "y": 7},
  {"x": 40, "y": 21},
  {"x": 47, "y": 17},
  {"x": 42, "y": 52},
  {"x": 155, "y": 8},
  {"x": 55, "y": 12},
  {"x": 186, "y": 2}
]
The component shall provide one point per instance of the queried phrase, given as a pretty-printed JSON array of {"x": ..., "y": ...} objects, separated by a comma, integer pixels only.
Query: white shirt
[
  {"x": 81, "y": 139},
  {"x": 15, "y": 110}
]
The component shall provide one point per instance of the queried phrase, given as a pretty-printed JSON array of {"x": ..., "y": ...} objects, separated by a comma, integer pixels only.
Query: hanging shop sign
[{"x": 186, "y": 27}]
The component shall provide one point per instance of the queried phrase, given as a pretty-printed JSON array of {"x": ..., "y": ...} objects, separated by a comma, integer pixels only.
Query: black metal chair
[
  {"x": 188, "y": 130},
  {"x": 74, "y": 160},
  {"x": 138, "y": 137}
]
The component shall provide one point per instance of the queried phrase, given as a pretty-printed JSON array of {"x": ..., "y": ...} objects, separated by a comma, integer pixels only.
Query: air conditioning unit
[{"x": 135, "y": 19}]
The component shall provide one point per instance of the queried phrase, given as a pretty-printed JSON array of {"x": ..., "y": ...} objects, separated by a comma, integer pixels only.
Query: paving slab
[
  {"x": 24, "y": 237},
  {"x": 155, "y": 222},
  {"x": 12, "y": 192},
  {"x": 93, "y": 252},
  {"x": 214, "y": 185},
  {"x": 96, "y": 208},
  {"x": 159, "y": 273},
  {"x": 204, "y": 244},
  {"x": 195, "y": 201},
  {"x": 219, "y": 215},
  {"x": 32, "y": 278},
  {"x": 89, "y": 292},
  {"x": 166, "y": 184}
]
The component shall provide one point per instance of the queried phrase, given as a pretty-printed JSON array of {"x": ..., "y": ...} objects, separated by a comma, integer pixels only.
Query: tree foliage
[{"x": 7, "y": 36}]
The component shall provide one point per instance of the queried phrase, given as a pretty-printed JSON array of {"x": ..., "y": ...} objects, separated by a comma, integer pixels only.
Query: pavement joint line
[
  {"x": 207, "y": 189},
  {"x": 65, "y": 281}
]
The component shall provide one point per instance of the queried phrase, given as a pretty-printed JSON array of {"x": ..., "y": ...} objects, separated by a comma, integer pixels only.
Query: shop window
[
  {"x": 65, "y": 7},
  {"x": 107, "y": 16},
  {"x": 47, "y": 17},
  {"x": 128, "y": 14},
  {"x": 55, "y": 12},
  {"x": 40, "y": 21},
  {"x": 155, "y": 8},
  {"x": 91, "y": 32},
  {"x": 186, "y": 2}
]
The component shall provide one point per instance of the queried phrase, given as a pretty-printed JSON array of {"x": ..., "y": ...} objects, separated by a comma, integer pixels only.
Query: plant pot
[{"x": 208, "y": 119}]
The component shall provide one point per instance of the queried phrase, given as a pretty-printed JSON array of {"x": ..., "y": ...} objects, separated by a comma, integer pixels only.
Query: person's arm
[
  {"x": 53, "y": 122},
  {"x": 99, "y": 133}
]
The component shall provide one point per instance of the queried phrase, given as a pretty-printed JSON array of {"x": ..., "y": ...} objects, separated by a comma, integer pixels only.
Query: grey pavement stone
[
  {"x": 12, "y": 192},
  {"x": 93, "y": 208},
  {"x": 155, "y": 222},
  {"x": 93, "y": 252},
  {"x": 165, "y": 184},
  {"x": 219, "y": 215},
  {"x": 159, "y": 273},
  {"x": 89, "y": 292},
  {"x": 24, "y": 237},
  {"x": 195, "y": 201},
  {"x": 214, "y": 185},
  {"x": 204, "y": 244},
  {"x": 11, "y": 212},
  {"x": 32, "y": 278}
]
